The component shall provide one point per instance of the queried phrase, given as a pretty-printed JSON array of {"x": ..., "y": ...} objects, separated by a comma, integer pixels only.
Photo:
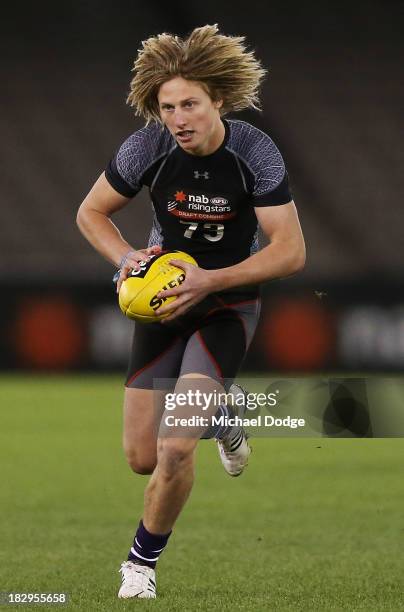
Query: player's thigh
[
  {"x": 156, "y": 354},
  {"x": 218, "y": 347},
  {"x": 141, "y": 418}
]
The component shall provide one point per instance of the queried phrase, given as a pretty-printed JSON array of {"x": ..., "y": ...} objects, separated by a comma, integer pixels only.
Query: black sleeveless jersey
[{"x": 203, "y": 205}]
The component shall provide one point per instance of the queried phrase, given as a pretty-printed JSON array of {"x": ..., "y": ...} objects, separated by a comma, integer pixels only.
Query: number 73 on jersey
[{"x": 211, "y": 231}]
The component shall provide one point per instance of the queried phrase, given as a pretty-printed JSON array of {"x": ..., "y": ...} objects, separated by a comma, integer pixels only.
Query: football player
[{"x": 211, "y": 180}]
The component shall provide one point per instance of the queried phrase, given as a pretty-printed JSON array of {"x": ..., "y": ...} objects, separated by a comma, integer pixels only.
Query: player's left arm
[{"x": 285, "y": 255}]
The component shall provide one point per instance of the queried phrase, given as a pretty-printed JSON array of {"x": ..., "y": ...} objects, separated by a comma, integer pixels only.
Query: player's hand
[
  {"x": 131, "y": 262},
  {"x": 197, "y": 285}
]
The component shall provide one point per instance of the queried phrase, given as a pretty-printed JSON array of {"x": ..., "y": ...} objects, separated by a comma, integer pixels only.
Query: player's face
[{"x": 192, "y": 117}]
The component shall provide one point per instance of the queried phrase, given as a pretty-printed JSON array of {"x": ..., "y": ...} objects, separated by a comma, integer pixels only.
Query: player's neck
[{"x": 213, "y": 143}]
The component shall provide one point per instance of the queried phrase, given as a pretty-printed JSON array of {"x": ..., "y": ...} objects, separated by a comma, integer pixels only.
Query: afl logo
[{"x": 219, "y": 201}]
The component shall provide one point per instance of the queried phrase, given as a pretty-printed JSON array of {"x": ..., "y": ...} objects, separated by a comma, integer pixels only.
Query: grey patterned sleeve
[
  {"x": 135, "y": 156},
  {"x": 264, "y": 161}
]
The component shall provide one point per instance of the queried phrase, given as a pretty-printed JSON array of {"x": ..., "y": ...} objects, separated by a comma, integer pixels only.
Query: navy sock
[{"x": 147, "y": 547}]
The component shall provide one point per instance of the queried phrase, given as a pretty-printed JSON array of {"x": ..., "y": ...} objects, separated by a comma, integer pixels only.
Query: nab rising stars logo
[{"x": 199, "y": 207}]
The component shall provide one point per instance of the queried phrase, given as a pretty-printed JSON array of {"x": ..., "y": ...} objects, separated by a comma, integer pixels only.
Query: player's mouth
[{"x": 184, "y": 136}]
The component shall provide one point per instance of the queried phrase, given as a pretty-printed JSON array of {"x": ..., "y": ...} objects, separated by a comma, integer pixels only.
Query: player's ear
[{"x": 216, "y": 98}]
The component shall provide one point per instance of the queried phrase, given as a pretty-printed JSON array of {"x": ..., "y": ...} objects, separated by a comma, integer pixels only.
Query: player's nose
[{"x": 179, "y": 119}]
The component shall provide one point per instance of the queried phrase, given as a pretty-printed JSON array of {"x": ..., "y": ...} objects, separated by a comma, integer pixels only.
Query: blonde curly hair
[{"x": 221, "y": 64}]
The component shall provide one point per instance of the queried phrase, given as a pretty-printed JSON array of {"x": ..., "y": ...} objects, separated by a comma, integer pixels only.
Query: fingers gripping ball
[{"x": 138, "y": 294}]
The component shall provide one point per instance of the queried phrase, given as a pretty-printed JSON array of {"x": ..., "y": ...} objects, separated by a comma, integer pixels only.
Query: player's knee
[
  {"x": 140, "y": 464},
  {"x": 173, "y": 456}
]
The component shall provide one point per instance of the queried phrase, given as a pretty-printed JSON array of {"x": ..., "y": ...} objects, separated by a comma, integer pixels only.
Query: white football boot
[
  {"x": 137, "y": 581},
  {"x": 234, "y": 450}
]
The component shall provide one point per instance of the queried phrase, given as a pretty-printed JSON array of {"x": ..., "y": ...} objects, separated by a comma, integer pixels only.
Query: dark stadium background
[
  {"x": 332, "y": 102},
  {"x": 316, "y": 521}
]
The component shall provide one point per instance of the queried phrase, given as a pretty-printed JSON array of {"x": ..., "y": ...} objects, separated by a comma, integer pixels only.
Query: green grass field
[{"x": 313, "y": 523}]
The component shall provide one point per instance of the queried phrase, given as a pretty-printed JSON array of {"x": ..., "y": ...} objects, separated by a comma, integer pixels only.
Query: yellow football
[{"x": 138, "y": 294}]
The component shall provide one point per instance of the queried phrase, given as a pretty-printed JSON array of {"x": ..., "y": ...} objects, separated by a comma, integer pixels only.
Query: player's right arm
[{"x": 94, "y": 221}]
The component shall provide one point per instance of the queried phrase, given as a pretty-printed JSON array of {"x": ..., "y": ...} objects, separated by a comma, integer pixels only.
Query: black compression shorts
[{"x": 211, "y": 339}]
